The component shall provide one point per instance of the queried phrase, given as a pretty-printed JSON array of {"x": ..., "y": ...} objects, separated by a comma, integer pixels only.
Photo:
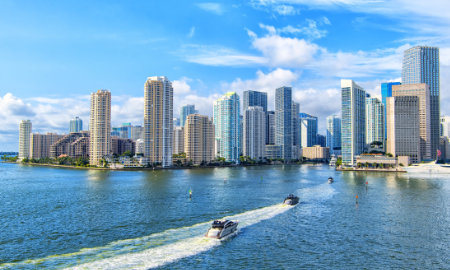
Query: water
[{"x": 61, "y": 218}]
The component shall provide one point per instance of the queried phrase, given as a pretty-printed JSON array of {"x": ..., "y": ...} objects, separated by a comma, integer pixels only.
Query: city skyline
[{"x": 248, "y": 54}]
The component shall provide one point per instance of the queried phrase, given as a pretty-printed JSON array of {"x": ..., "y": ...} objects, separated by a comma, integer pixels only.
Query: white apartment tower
[
  {"x": 24, "y": 139},
  {"x": 254, "y": 140}
]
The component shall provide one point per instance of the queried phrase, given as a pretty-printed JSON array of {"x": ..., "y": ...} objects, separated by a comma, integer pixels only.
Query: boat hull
[{"x": 222, "y": 232}]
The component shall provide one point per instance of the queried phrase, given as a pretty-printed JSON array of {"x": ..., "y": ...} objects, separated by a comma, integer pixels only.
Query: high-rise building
[
  {"x": 100, "y": 126},
  {"x": 125, "y": 131},
  {"x": 444, "y": 126},
  {"x": 254, "y": 98},
  {"x": 421, "y": 91},
  {"x": 120, "y": 146},
  {"x": 199, "y": 139},
  {"x": 227, "y": 127},
  {"x": 334, "y": 133},
  {"x": 403, "y": 127},
  {"x": 178, "y": 140},
  {"x": 321, "y": 140},
  {"x": 76, "y": 125},
  {"x": 421, "y": 65},
  {"x": 137, "y": 132},
  {"x": 308, "y": 130},
  {"x": 283, "y": 121},
  {"x": 386, "y": 91},
  {"x": 40, "y": 144},
  {"x": 296, "y": 133},
  {"x": 374, "y": 121},
  {"x": 185, "y": 111},
  {"x": 353, "y": 124},
  {"x": 74, "y": 145},
  {"x": 25, "y": 129},
  {"x": 158, "y": 120},
  {"x": 254, "y": 139},
  {"x": 270, "y": 127}
]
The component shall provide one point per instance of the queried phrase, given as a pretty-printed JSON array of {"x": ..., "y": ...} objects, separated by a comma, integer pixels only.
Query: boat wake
[{"x": 149, "y": 251}]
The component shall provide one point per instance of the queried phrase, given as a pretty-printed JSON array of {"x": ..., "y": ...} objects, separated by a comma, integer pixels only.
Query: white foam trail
[
  {"x": 313, "y": 197},
  {"x": 158, "y": 256}
]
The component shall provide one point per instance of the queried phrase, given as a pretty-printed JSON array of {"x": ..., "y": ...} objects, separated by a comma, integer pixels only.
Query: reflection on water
[{"x": 97, "y": 175}]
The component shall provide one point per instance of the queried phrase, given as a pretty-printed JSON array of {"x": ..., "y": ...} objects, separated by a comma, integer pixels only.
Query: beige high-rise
[
  {"x": 24, "y": 139},
  {"x": 100, "y": 126},
  {"x": 422, "y": 91},
  {"x": 40, "y": 144},
  {"x": 178, "y": 140},
  {"x": 158, "y": 120},
  {"x": 199, "y": 139}
]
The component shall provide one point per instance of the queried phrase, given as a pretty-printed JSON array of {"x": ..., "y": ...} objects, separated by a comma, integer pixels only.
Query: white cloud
[
  {"x": 215, "y": 8},
  {"x": 310, "y": 30},
  {"x": 219, "y": 56},
  {"x": 285, "y": 10},
  {"x": 191, "y": 32},
  {"x": 181, "y": 87}
]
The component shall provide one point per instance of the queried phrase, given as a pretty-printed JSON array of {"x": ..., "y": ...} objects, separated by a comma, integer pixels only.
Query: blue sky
[{"x": 53, "y": 54}]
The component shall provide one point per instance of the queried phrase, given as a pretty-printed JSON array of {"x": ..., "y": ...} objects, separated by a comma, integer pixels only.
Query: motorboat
[
  {"x": 221, "y": 228},
  {"x": 330, "y": 180},
  {"x": 291, "y": 199}
]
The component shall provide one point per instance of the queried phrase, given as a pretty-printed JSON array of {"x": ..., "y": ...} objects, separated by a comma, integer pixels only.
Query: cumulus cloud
[{"x": 285, "y": 10}]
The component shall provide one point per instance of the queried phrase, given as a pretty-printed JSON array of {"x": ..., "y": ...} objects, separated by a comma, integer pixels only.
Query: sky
[{"x": 54, "y": 54}]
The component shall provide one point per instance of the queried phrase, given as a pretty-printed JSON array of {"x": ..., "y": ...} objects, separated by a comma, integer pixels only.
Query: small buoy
[{"x": 356, "y": 199}]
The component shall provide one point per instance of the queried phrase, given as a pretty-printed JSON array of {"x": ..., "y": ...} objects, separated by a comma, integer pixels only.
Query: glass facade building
[
  {"x": 283, "y": 121},
  {"x": 353, "y": 125},
  {"x": 76, "y": 125},
  {"x": 308, "y": 130},
  {"x": 334, "y": 133},
  {"x": 375, "y": 115},
  {"x": 227, "y": 127},
  {"x": 185, "y": 111}
]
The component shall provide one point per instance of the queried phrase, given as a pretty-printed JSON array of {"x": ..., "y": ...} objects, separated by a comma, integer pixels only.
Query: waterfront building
[
  {"x": 125, "y": 131},
  {"x": 25, "y": 128},
  {"x": 421, "y": 65},
  {"x": 227, "y": 127},
  {"x": 178, "y": 140},
  {"x": 76, "y": 125},
  {"x": 185, "y": 111},
  {"x": 40, "y": 144},
  {"x": 421, "y": 91},
  {"x": 308, "y": 130},
  {"x": 283, "y": 121},
  {"x": 74, "y": 145},
  {"x": 273, "y": 151},
  {"x": 444, "y": 126},
  {"x": 296, "y": 133},
  {"x": 254, "y": 98},
  {"x": 316, "y": 153},
  {"x": 374, "y": 121},
  {"x": 353, "y": 124},
  {"x": 386, "y": 91},
  {"x": 158, "y": 120},
  {"x": 100, "y": 126},
  {"x": 444, "y": 149},
  {"x": 334, "y": 133},
  {"x": 199, "y": 139},
  {"x": 403, "y": 127},
  {"x": 270, "y": 123},
  {"x": 254, "y": 138},
  {"x": 121, "y": 145},
  {"x": 137, "y": 132},
  {"x": 139, "y": 146}
]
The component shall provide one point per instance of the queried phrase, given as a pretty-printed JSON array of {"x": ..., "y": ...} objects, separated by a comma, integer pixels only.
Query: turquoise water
[{"x": 61, "y": 218}]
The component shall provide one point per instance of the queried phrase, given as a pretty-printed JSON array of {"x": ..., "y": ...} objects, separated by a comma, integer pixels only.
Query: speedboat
[
  {"x": 330, "y": 180},
  {"x": 221, "y": 228},
  {"x": 291, "y": 200}
]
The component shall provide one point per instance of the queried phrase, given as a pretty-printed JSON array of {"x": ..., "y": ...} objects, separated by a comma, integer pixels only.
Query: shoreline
[
  {"x": 151, "y": 168},
  {"x": 371, "y": 170}
]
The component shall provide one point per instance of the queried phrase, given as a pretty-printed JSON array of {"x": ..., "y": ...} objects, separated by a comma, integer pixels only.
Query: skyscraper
[
  {"x": 353, "y": 129},
  {"x": 334, "y": 133},
  {"x": 254, "y": 140},
  {"x": 25, "y": 129},
  {"x": 296, "y": 136},
  {"x": 40, "y": 144},
  {"x": 178, "y": 140},
  {"x": 374, "y": 121},
  {"x": 76, "y": 125},
  {"x": 283, "y": 121},
  {"x": 254, "y": 98},
  {"x": 227, "y": 127},
  {"x": 100, "y": 126},
  {"x": 403, "y": 127},
  {"x": 185, "y": 111},
  {"x": 386, "y": 91},
  {"x": 199, "y": 139},
  {"x": 158, "y": 120},
  {"x": 421, "y": 91},
  {"x": 308, "y": 130},
  {"x": 421, "y": 65}
]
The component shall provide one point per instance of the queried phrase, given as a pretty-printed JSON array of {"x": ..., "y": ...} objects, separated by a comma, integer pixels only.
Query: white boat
[
  {"x": 330, "y": 180},
  {"x": 221, "y": 228},
  {"x": 428, "y": 168}
]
